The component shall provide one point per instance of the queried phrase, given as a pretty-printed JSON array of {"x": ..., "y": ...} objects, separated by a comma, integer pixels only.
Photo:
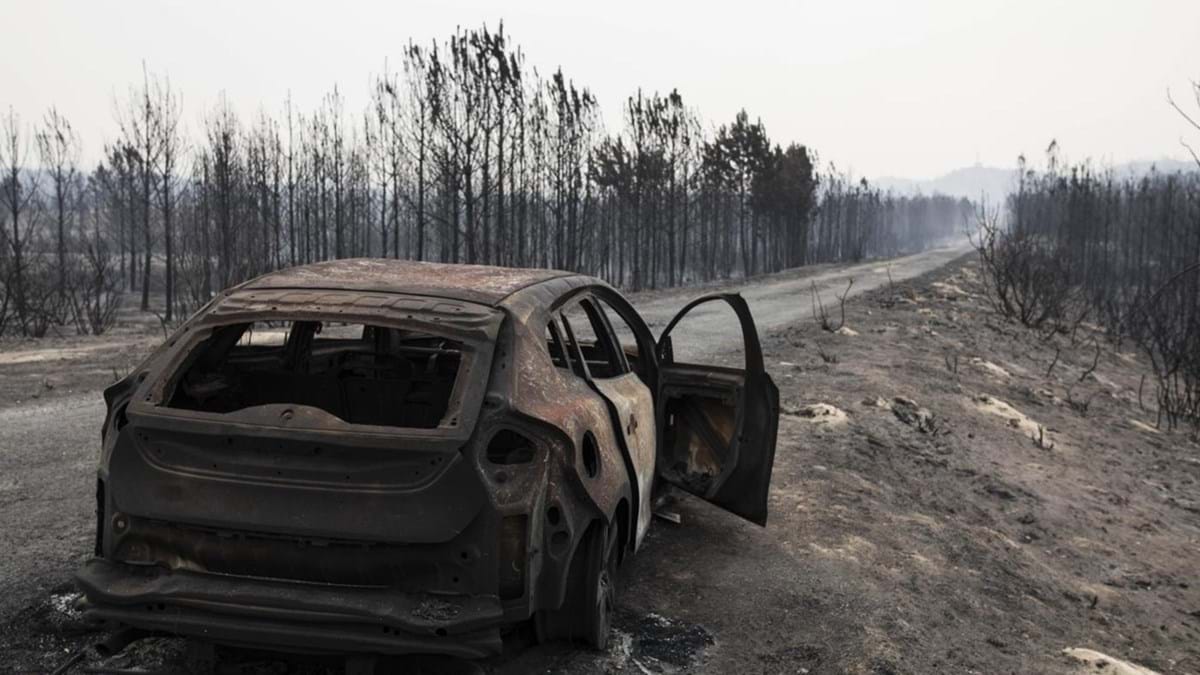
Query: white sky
[{"x": 886, "y": 87}]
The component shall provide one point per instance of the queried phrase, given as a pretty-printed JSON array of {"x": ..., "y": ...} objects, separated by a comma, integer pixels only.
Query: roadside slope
[{"x": 943, "y": 501}]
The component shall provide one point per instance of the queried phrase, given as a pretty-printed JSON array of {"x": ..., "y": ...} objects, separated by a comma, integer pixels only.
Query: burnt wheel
[{"x": 586, "y": 613}]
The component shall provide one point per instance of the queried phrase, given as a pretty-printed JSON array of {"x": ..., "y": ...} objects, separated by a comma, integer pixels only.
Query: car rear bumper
[{"x": 290, "y": 616}]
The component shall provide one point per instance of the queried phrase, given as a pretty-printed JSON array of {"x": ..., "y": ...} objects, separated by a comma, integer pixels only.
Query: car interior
[{"x": 362, "y": 374}]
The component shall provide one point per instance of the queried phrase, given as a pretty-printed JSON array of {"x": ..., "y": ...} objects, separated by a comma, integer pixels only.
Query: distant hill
[
  {"x": 993, "y": 183},
  {"x": 970, "y": 182}
]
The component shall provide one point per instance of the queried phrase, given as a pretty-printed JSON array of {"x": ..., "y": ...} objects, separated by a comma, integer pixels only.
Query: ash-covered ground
[{"x": 943, "y": 501}]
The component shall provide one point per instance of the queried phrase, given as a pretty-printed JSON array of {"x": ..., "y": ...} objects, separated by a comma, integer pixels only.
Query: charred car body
[{"x": 397, "y": 457}]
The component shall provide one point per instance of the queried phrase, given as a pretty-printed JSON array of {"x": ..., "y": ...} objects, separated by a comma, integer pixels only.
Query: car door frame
[
  {"x": 641, "y": 460},
  {"x": 743, "y": 484}
]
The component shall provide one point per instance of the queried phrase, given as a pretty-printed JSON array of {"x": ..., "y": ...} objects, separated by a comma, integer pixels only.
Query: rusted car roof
[{"x": 474, "y": 283}]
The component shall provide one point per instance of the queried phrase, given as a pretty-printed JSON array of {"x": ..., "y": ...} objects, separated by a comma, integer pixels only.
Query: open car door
[{"x": 718, "y": 424}]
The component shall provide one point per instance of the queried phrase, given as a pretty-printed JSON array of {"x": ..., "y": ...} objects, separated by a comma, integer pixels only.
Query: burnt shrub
[
  {"x": 1166, "y": 323},
  {"x": 1120, "y": 250},
  {"x": 1023, "y": 276}
]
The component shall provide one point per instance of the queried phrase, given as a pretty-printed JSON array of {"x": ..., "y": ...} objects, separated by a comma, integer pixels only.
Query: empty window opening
[
  {"x": 578, "y": 362},
  {"x": 362, "y": 374},
  {"x": 554, "y": 343},
  {"x": 624, "y": 336},
  {"x": 589, "y": 330}
]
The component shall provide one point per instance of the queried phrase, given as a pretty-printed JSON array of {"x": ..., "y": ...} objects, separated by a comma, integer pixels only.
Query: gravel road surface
[{"x": 781, "y": 300}]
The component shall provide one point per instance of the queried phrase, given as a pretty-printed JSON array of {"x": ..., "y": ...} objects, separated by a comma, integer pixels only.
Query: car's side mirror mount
[{"x": 666, "y": 353}]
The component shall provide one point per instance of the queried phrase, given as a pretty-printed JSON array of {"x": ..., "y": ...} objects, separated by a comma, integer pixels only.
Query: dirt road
[
  {"x": 896, "y": 543},
  {"x": 783, "y": 299}
]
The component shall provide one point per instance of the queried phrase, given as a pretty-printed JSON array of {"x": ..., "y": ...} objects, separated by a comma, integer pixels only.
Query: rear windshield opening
[{"x": 362, "y": 374}]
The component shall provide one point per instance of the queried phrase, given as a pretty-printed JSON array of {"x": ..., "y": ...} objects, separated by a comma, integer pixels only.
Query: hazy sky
[{"x": 884, "y": 87}]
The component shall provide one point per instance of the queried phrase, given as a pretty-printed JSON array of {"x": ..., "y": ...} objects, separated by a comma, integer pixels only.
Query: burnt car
[{"x": 388, "y": 457}]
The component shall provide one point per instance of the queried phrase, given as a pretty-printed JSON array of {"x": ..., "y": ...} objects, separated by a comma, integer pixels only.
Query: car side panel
[
  {"x": 635, "y": 409},
  {"x": 562, "y": 400}
]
